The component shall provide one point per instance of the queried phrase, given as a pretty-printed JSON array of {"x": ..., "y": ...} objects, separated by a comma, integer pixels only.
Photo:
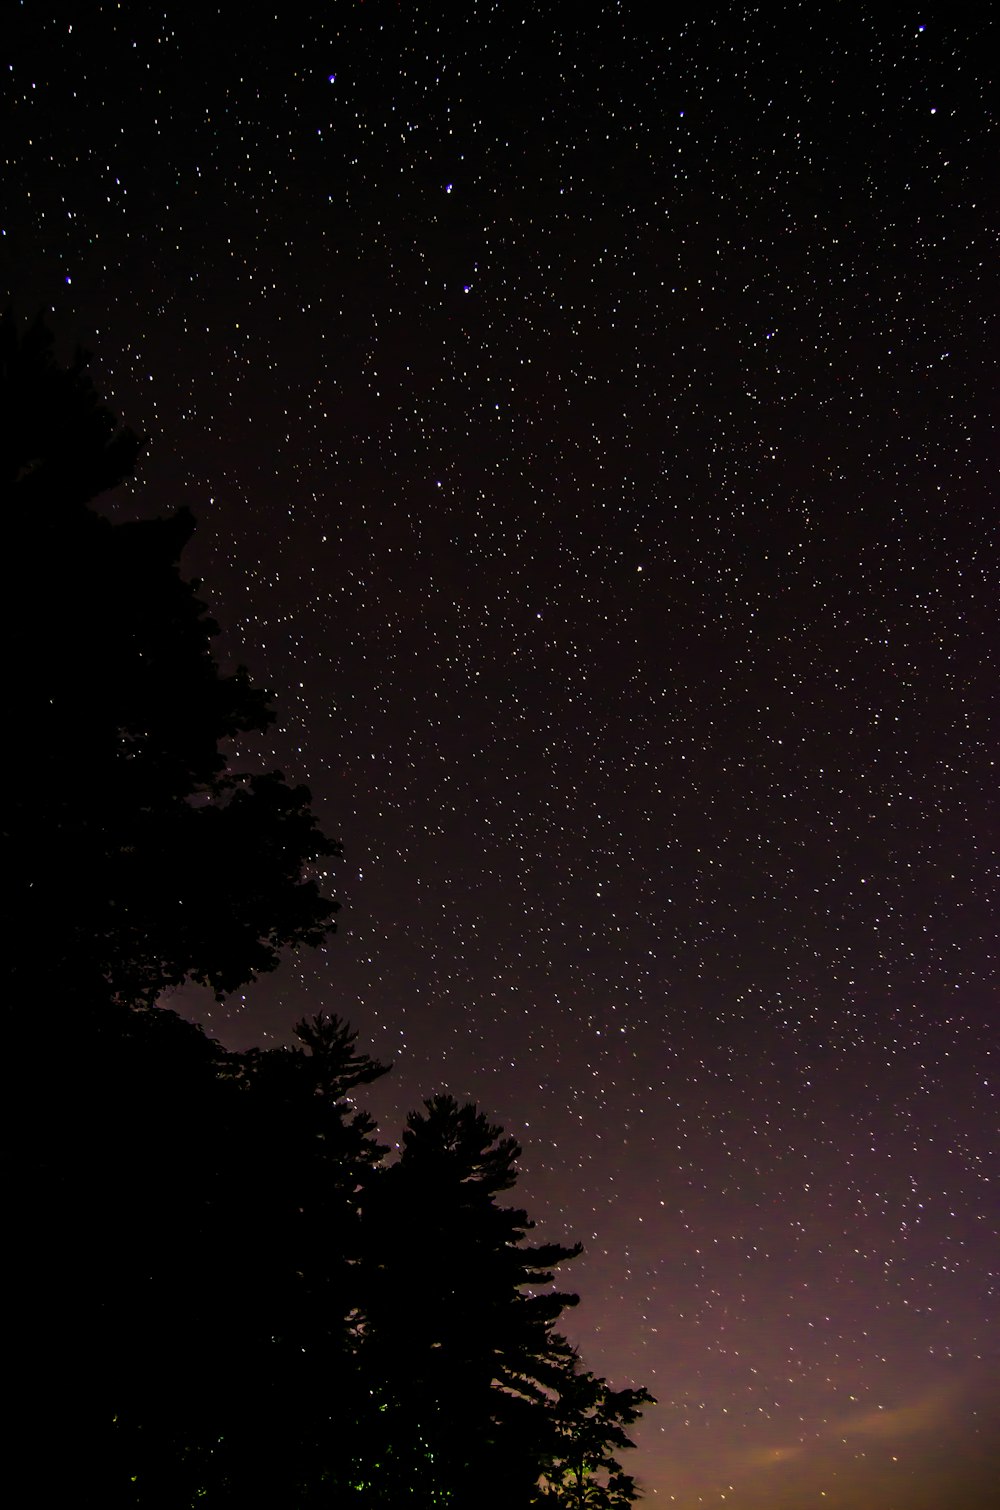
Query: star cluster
[{"x": 589, "y": 422}]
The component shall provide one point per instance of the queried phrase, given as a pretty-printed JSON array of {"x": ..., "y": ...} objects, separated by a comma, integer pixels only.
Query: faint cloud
[{"x": 929, "y": 1411}]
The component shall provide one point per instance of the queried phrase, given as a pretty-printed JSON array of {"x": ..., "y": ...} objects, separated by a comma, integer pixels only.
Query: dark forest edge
[{"x": 219, "y": 1291}]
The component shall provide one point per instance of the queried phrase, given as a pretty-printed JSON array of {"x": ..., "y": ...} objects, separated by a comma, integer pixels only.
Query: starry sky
[{"x": 590, "y": 423}]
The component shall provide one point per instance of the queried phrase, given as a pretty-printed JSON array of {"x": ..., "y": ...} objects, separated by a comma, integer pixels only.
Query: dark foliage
[{"x": 186, "y": 1262}]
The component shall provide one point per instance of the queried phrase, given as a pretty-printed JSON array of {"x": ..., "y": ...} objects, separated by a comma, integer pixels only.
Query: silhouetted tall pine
[
  {"x": 136, "y": 859},
  {"x": 459, "y": 1315}
]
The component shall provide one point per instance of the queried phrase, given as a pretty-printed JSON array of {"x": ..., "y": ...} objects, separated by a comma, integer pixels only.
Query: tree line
[{"x": 219, "y": 1291}]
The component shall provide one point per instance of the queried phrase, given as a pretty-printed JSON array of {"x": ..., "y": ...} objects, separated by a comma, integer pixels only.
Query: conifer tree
[{"x": 137, "y": 858}]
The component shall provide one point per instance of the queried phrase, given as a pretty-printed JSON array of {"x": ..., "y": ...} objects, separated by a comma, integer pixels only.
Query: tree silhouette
[
  {"x": 217, "y": 1291},
  {"x": 587, "y": 1420},
  {"x": 136, "y": 858},
  {"x": 459, "y": 1314}
]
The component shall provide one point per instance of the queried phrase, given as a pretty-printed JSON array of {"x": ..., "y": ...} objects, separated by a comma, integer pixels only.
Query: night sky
[{"x": 590, "y": 425}]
